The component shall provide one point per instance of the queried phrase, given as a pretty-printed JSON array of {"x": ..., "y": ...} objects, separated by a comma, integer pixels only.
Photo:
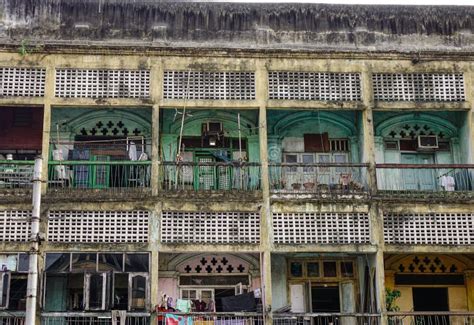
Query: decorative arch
[
  {"x": 180, "y": 263},
  {"x": 115, "y": 121},
  {"x": 221, "y": 116},
  {"x": 428, "y": 263},
  {"x": 415, "y": 124},
  {"x": 287, "y": 123}
]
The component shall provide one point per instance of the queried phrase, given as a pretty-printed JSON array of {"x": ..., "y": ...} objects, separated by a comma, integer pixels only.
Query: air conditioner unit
[
  {"x": 212, "y": 128},
  {"x": 427, "y": 142}
]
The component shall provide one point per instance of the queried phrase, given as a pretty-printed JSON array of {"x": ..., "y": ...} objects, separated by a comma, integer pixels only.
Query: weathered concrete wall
[{"x": 238, "y": 25}]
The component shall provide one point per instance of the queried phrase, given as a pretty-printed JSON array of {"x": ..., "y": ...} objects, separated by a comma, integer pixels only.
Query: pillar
[
  {"x": 48, "y": 97},
  {"x": 155, "y": 150},
  {"x": 156, "y": 92},
  {"x": 470, "y": 115},
  {"x": 469, "y": 278},
  {"x": 375, "y": 213},
  {"x": 261, "y": 78}
]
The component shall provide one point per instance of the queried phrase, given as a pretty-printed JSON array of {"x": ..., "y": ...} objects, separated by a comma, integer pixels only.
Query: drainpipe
[{"x": 31, "y": 291}]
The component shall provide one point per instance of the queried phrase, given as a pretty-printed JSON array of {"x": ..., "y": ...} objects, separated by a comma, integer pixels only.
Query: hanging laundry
[
  {"x": 171, "y": 319},
  {"x": 132, "y": 151},
  {"x": 199, "y": 305},
  {"x": 183, "y": 306},
  {"x": 448, "y": 183}
]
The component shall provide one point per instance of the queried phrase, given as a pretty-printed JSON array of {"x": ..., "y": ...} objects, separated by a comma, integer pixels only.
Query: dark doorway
[
  {"x": 431, "y": 299},
  {"x": 325, "y": 299}
]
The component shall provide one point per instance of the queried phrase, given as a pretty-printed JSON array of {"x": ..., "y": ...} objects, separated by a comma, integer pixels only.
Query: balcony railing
[
  {"x": 115, "y": 176},
  {"x": 437, "y": 180},
  {"x": 319, "y": 179},
  {"x": 16, "y": 173},
  {"x": 12, "y": 317},
  {"x": 210, "y": 176},
  {"x": 219, "y": 318},
  {"x": 86, "y": 318},
  {"x": 326, "y": 319},
  {"x": 430, "y": 318}
]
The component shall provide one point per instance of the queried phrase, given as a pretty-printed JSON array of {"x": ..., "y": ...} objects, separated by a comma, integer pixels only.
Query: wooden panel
[{"x": 318, "y": 142}]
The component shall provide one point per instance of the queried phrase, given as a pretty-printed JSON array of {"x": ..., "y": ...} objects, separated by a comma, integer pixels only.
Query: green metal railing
[
  {"x": 210, "y": 176},
  {"x": 99, "y": 175}
]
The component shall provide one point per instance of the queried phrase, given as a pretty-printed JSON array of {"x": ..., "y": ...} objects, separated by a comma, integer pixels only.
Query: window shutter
[{"x": 318, "y": 142}]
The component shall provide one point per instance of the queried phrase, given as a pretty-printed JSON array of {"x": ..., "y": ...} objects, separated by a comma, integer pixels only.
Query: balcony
[
  {"x": 430, "y": 318},
  {"x": 216, "y": 318},
  {"x": 99, "y": 318},
  {"x": 12, "y": 317},
  {"x": 16, "y": 177},
  {"x": 95, "y": 177},
  {"x": 326, "y": 319},
  {"x": 210, "y": 177},
  {"x": 326, "y": 180},
  {"x": 425, "y": 181}
]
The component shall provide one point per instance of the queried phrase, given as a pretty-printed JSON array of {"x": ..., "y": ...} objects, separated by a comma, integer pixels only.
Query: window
[
  {"x": 4, "y": 289},
  {"x": 296, "y": 269},
  {"x": 96, "y": 281},
  {"x": 347, "y": 269},
  {"x": 329, "y": 269},
  {"x": 95, "y": 287},
  {"x": 13, "y": 281},
  {"x": 312, "y": 269},
  {"x": 320, "y": 269},
  {"x": 138, "y": 291}
]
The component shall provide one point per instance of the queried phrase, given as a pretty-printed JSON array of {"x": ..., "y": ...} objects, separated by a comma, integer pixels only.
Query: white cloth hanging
[
  {"x": 60, "y": 170},
  {"x": 448, "y": 183},
  {"x": 132, "y": 151}
]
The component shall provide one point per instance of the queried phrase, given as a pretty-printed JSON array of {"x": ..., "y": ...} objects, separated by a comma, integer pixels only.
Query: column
[
  {"x": 261, "y": 79},
  {"x": 155, "y": 151},
  {"x": 48, "y": 97},
  {"x": 469, "y": 277},
  {"x": 156, "y": 91},
  {"x": 470, "y": 115},
  {"x": 375, "y": 213}
]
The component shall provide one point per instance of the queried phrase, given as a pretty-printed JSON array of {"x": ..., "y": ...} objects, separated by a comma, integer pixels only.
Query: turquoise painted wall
[
  {"x": 171, "y": 125},
  {"x": 294, "y": 124},
  {"x": 388, "y": 126},
  {"x": 67, "y": 123}
]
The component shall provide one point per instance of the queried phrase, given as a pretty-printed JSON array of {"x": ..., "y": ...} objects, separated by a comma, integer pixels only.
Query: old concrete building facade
[{"x": 317, "y": 156}]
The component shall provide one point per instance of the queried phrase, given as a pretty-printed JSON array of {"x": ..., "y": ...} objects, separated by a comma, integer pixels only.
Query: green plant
[
  {"x": 390, "y": 299},
  {"x": 23, "y": 50}
]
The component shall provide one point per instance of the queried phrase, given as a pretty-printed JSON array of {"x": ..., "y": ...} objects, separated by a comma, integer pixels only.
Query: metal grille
[
  {"x": 22, "y": 82},
  {"x": 429, "y": 228},
  {"x": 98, "y": 226},
  {"x": 321, "y": 228},
  {"x": 314, "y": 86},
  {"x": 102, "y": 83},
  {"x": 209, "y": 85},
  {"x": 15, "y": 225},
  {"x": 210, "y": 227},
  {"x": 424, "y": 87}
]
